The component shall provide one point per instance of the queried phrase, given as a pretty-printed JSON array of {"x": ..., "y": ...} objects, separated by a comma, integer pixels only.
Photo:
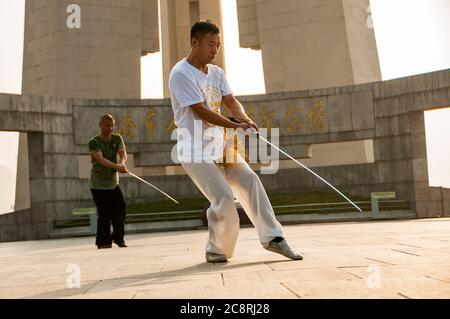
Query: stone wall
[{"x": 391, "y": 113}]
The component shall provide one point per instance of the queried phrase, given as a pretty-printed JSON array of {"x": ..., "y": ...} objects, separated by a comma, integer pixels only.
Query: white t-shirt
[{"x": 188, "y": 86}]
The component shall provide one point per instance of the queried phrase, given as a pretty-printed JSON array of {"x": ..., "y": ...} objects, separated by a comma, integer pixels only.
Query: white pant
[{"x": 218, "y": 184}]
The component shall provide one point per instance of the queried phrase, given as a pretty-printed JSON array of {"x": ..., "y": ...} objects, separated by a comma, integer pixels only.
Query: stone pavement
[{"x": 389, "y": 259}]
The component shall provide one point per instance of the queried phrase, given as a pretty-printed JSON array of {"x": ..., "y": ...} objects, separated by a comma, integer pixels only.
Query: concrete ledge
[
  {"x": 344, "y": 217},
  {"x": 197, "y": 224},
  {"x": 131, "y": 228}
]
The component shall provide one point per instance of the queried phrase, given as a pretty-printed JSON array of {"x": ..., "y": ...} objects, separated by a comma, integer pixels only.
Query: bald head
[
  {"x": 106, "y": 125},
  {"x": 106, "y": 117}
]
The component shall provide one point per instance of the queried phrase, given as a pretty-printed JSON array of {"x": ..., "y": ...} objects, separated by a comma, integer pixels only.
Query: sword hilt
[{"x": 249, "y": 130}]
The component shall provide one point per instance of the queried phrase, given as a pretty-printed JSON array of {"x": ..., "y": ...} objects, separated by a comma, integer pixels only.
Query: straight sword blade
[
  {"x": 309, "y": 170},
  {"x": 151, "y": 185}
]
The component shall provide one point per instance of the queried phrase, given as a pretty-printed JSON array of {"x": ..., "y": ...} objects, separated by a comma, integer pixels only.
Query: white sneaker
[
  {"x": 282, "y": 248},
  {"x": 215, "y": 258}
]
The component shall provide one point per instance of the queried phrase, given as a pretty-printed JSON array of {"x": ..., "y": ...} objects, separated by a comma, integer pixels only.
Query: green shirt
[{"x": 103, "y": 177}]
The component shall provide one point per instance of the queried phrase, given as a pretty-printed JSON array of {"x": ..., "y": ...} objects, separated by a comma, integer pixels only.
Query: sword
[
  {"x": 254, "y": 131},
  {"x": 151, "y": 185}
]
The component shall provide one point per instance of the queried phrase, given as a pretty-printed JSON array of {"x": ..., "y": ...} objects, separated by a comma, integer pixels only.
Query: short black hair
[{"x": 202, "y": 28}]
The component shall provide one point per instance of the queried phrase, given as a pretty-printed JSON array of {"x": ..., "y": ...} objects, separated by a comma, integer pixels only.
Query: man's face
[
  {"x": 207, "y": 48},
  {"x": 107, "y": 127}
]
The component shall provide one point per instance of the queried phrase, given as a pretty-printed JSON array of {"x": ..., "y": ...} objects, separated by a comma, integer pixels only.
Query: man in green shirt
[{"x": 104, "y": 183}]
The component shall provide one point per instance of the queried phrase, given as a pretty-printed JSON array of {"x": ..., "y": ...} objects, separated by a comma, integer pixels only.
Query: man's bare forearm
[
  {"x": 237, "y": 110},
  {"x": 123, "y": 158},
  {"x": 108, "y": 164}
]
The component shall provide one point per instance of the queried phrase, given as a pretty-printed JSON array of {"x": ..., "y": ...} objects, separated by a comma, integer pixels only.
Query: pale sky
[
  {"x": 438, "y": 146},
  {"x": 11, "y": 45},
  {"x": 9, "y": 157},
  {"x": 413, "y": 36}
]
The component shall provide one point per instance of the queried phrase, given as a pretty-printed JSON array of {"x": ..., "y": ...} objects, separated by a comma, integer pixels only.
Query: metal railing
[{"x": 339, "y": 207}]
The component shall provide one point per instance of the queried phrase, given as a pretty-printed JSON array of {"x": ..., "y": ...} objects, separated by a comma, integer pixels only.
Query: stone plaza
[{"x": 383, "y": 259}]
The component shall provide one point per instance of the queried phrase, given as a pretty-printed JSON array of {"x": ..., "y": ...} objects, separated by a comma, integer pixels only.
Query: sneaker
[
  {"x": 104, "y": 246},
  {"x": 282, "y": 248},
  {"x": 121, "y": 244},
  {"x": 215, "y": 258}
]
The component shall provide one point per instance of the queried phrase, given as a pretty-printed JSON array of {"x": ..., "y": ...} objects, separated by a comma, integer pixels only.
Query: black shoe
[
  {"x": 104, "y": 246},
  {"x": 121, "y": 244}
]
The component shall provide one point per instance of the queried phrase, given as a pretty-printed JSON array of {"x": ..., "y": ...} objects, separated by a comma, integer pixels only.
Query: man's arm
[
  {"x": 123, "y": 158},
  {"x": 215, "y": 118},
  {"x": 237, "y": 110},
  {"x": 98, "y": 156}
]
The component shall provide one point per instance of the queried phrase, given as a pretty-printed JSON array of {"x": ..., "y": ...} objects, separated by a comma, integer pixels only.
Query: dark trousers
[{"x": 111, "y": 207}]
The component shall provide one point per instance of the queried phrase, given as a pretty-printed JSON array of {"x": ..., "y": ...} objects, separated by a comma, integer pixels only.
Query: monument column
[
  {"x": 87, "y": 50},
  {"x": 177, "y": 18},
  {"x": 310, "y": 44}
]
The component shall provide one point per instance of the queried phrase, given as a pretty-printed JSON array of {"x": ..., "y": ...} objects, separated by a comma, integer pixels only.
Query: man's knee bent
[
  {"x": 250, "y": 179},
  {"x": 222, "y": 206}
]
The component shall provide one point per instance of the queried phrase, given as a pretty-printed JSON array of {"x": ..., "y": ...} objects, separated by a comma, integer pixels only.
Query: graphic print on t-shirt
[{"x": 213, "y": 97}]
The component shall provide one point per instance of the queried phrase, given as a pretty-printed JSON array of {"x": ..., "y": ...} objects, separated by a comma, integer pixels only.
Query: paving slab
[{"x": 380, "y": 259}]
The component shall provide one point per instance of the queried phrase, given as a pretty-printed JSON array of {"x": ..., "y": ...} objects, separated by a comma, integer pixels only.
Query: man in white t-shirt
[{"x": 197, "y": 89}]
